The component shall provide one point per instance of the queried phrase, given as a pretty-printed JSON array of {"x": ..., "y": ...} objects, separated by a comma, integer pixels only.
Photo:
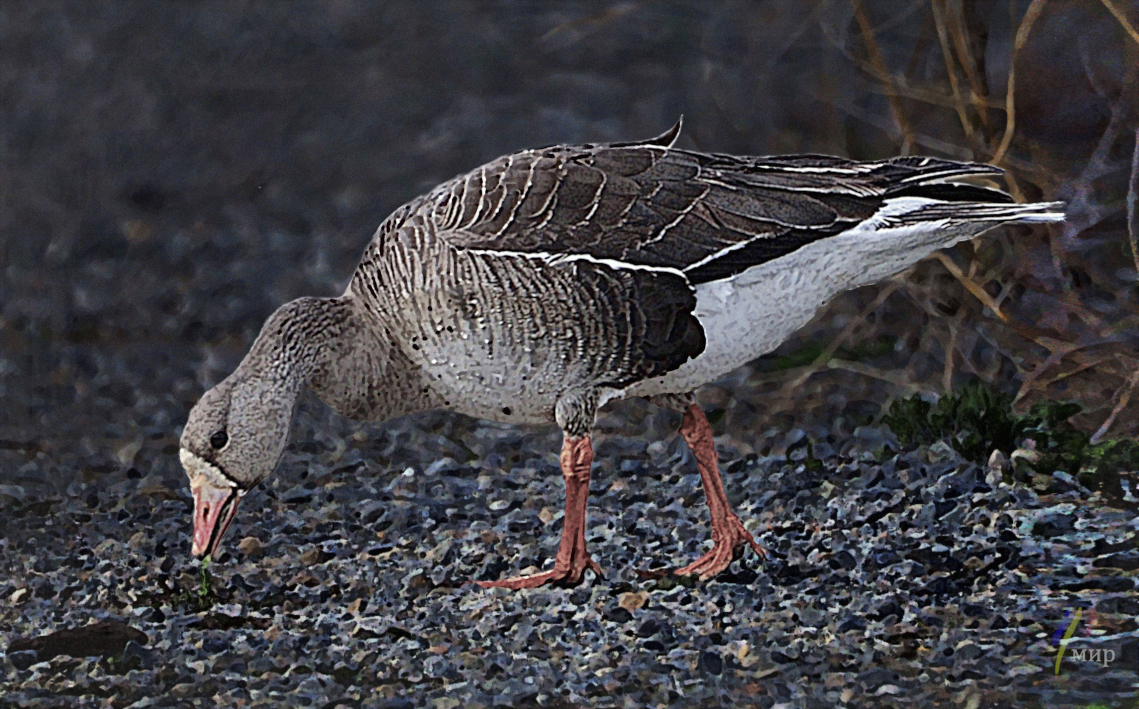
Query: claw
[
  {"x": 571, "y": 574},
  {"x": 727, "y": 542}
]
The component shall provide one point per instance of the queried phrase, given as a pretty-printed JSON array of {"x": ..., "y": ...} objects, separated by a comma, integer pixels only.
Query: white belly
[
  {"x": 742, "y": 320},
  {"x": 752, "y": 313}
]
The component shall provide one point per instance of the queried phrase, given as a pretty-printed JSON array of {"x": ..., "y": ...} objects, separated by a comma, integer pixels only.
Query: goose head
[{"x": 233, "y": 440}]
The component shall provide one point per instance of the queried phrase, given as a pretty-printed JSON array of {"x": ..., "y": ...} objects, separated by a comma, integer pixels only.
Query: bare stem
[{"x": 1010, "y": 93}]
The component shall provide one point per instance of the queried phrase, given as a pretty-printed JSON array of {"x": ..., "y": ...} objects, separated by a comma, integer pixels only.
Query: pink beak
[{"x": 214, "y": 509}]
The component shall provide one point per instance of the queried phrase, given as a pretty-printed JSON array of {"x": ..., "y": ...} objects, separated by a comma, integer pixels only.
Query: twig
[
  {"x": 978, "y": 292},
  {"x": 972, "y": 61},
  {"x": 1133, "y": 207},
  {"x": 836, "y": 342},
  {"x": 939, "y": 13},
  {"x": 1122, "y": 18},
  {"x": 879, "y": 64},
  {"x": 1124, "y": 399},
  {"x": 901, "y": 87},
  {"x": 1010, "y": 93},
  {"x": 1036, "y": 379},
  {"x": 947, "y": 371},
  {"x": 874, "y": 373}
]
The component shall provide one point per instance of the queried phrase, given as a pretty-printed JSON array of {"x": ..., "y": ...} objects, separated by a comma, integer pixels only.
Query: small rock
[
  {"x": 137, "y": 655},
  {"x": 843, "y": 560},
  {"x": 1022, "y": 460},
  {"x": 297, "y": 495},
  {"x": 966, "y": 650},
  {"x": 1063, "y": 482},
  {"x": 1053, "y": 525},
  {"x": 138, "y": 540},
  {"x": 304, "y": 578},
  {"x": 618, "y": 615},
  {"x": 941, "y": 453},
  {"x": 15, "y": 493},
  {"x": 711, "y": 662},
  {"x": 633, "y": 600},
  {"x": 23, "y": 659},
  {"x": 943, "y": 507},
  {"x": 649, "y": 628},
  {"x": 996, "y": 468},
  {"x": 312, "y": 557},
  {"x": 183, "y": 689},
  {"x": 250, "y": 545}
]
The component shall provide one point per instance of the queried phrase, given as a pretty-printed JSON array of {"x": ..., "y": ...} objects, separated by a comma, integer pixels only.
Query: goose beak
[
  {"x": 214, "y": 509},
  {"x": 215, "y": 502}
]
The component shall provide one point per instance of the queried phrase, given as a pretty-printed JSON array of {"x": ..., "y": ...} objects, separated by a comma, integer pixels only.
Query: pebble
[
  {"x": 874, "y": 565},
  {"x": 250, "y": 546}
]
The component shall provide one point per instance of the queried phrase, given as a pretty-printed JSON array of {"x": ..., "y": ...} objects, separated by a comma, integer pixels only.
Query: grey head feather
[
  {"x": 239, "y": 427},
  {"x": 236, "y": 433}
]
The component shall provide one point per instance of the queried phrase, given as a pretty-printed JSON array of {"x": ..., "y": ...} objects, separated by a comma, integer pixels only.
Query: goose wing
[{"x": 706, "y": 216}]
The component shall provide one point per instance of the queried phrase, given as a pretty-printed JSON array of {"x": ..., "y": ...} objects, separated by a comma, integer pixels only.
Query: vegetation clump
[
  {"x": 977, "y": 420},
  {"x": 203, "y": 597}
]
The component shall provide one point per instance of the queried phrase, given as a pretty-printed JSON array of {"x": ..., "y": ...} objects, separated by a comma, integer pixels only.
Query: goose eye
[{"x": 219, "y": 439}]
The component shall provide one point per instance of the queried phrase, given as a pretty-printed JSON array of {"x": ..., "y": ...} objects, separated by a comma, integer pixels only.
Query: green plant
[
  {"x": 978, "y": 420},
  {"x": 203, "y": 597},
  {"x": 974, "y": 421}
]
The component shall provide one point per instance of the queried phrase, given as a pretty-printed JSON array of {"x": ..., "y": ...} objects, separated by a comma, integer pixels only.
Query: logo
[{"x": 1063, "y": 636}]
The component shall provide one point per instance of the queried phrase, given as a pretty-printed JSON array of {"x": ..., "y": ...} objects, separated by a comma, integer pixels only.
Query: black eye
[{"x": 219, "y": 439}]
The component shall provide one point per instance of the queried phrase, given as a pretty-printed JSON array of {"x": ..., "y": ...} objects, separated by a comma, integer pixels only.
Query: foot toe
[
  {"x": 571, "y": 576},
  {"x": 721, "y": 555}
]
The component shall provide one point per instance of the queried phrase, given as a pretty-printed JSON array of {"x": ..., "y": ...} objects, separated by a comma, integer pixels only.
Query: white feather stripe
[
  {"x": 556, "y": 259},
  {"x": 919, "y": 209}
]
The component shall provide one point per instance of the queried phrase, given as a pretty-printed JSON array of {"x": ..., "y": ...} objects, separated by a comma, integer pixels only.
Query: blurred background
[{"x": 170, "y": 172}]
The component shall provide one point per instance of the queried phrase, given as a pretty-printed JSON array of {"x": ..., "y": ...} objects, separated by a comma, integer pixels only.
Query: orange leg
[
  {"x": 727, "y": 530},
  {"x": 572, "y": 559}
]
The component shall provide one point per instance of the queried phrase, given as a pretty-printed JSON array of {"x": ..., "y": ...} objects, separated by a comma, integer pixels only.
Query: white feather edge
[
  {"x": 201, "y": 472},
  {"x": 885, "y": 217}
]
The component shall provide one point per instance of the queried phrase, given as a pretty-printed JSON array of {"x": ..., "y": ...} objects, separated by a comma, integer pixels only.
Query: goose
[{"x": 544, "y": 284}]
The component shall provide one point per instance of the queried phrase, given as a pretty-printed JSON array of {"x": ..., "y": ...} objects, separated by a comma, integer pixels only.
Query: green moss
[
  {"x": 977, "y": 420},
  {"x": 800, "y": 357},
  {"x": 203, "y": 597}
]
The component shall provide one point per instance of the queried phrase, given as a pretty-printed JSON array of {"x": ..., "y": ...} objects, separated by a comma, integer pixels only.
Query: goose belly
[
  {"x": 742, "y": 318},
  {"x": 753, "y": 312},
  {"x": 473, "y": 379},
  {"x": 492, "y": 355}
]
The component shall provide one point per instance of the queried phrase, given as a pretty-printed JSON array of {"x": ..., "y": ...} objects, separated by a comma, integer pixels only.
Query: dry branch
[{"x": 1010, "y": 94}]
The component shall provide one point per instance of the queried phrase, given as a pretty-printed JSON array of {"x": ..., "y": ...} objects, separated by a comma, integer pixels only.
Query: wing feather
[{"x": 708, "y": 216}]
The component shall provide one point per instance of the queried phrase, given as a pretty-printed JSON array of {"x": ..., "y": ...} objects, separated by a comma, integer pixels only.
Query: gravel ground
[
  {"x": 892, "y": 579},
  {"x": 172, "y": 172}
]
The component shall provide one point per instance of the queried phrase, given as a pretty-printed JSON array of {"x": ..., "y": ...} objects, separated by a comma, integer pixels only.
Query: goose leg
[
  {"x": 572, "y": 559},
  {"x": 727, "y": 530}
]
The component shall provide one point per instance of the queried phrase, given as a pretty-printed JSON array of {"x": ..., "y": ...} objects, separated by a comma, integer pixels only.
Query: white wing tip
[{"x": 1041, "y": 212}]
